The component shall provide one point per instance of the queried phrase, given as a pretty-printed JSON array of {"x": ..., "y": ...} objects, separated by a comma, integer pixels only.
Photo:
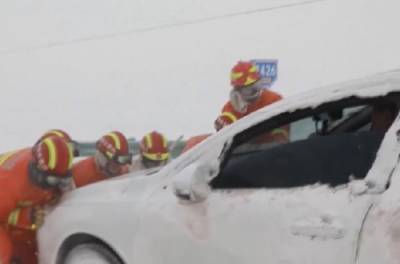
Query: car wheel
[{"x": 91, "y": 253}]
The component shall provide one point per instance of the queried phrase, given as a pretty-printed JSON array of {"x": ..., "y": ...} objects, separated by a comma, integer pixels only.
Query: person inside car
[{"x": 383, "y": 115}]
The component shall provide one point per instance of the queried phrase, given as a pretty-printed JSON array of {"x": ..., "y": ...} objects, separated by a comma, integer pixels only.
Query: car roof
[{"x": 368, "y": 87}]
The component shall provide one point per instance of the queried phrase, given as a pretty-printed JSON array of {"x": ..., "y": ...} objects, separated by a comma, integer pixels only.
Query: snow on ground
[{"x": 92, "y": 66}]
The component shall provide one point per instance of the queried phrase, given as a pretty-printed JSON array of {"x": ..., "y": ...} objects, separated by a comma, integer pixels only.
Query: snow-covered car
[{"x": 330, "y": 195}]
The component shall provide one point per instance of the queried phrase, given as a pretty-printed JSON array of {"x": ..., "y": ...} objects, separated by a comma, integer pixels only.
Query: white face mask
[
  {"x": 237, "y": 101},
  {"x": 241, "y": 97},
  {"x": 108, "y": 167},
  {"x": 47, "y": 180},
  {"x": 251, "y": 92},
  {"x": 55, "y": 181}
]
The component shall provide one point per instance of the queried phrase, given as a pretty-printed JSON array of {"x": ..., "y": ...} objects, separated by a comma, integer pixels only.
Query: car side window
[{"x": 327, "y": 145}]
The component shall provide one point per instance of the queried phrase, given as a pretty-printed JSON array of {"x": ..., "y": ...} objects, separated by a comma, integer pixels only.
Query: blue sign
[{"x": 268, "y": 70}]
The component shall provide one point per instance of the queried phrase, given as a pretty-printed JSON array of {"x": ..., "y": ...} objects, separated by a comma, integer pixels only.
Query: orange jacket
[
  {"x": 267, "y": 97},
  {"x": 5, "y": 246},
  {"x": 86, "y": 172},
  {"x": 18, "y": 195}
]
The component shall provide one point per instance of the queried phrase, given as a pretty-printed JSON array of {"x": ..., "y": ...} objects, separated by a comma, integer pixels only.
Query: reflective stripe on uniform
[
  {"x": 280, "y": 131},
  {"x": 6, "y": 156},
  {"x": 13, "y": 217},
  {"x": 229, "y": 115}
]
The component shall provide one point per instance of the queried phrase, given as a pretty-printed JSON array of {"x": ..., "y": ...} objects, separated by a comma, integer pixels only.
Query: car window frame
[{"x": 290, "y": 117}]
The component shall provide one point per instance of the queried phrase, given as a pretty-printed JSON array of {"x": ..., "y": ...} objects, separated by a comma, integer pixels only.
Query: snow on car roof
[{"x": 371, "y": 86}]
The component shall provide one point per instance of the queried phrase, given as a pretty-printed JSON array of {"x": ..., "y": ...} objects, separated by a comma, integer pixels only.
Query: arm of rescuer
[
  {"x": 17, "y": 214},
  {"x": 225, "y": 119},
  {"x": 230, "y": 115},
  {"x": 28, "y": 218}
]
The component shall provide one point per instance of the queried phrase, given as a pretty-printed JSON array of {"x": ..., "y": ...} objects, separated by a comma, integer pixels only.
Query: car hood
[{"x": 129, "y": 186}]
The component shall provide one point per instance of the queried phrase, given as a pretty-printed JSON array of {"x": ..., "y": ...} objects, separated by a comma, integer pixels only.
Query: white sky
[{"x": 98, "y": 65}]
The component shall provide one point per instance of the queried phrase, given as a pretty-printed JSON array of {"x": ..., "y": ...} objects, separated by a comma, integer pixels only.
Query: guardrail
[{"x": 89, "y": 148}]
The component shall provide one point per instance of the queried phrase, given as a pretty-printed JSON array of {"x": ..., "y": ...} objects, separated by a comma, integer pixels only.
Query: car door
[
  {"x": 298, "y": 216},
  {"x": 313, "y": 224},
  {"x": 304, "y": 221}
]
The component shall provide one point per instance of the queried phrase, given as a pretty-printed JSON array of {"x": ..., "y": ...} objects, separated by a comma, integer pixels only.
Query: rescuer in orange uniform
[
  {"x": 246, "y": 97},
  {"x": 112, "y": 159},
  {"x": 223, "y": 120},
  {"x": 30, "y": 179},
  {"x": 153, "y": 152}
]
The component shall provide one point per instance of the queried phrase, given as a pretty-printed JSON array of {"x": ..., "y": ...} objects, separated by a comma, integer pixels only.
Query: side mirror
[{"x": 191, "y": 183}]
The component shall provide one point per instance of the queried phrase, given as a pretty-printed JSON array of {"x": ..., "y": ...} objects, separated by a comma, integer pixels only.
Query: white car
[{"x": 330, "y": 195}]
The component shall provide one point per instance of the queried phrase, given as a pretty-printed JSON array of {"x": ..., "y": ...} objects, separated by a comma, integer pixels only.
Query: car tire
[{"x": 91, "y": 253}]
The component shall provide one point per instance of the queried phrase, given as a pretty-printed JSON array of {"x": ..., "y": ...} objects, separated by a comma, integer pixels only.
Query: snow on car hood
[{"x": 117, "y": 188}]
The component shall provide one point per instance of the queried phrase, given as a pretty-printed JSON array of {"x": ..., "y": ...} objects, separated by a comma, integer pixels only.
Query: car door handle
[{"x": 318, "y": 229}]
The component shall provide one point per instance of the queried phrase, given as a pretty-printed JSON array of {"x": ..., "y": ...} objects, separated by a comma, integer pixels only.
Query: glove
[
  {"x": 30, "y": 218},
  {"x": 219, "y": 123},
  {"x": 226, "y": 118}
]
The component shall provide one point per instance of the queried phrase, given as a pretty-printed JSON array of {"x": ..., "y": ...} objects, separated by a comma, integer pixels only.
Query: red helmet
[
  {"x": 58, "y": 133},
  {"x": 244, "y": 73},
  {"x": 154, "y": 146},
  {"x": 53, "y": 155},
  {"x": 64, "y": 135},
  {"x": 115, "y": 147}
]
